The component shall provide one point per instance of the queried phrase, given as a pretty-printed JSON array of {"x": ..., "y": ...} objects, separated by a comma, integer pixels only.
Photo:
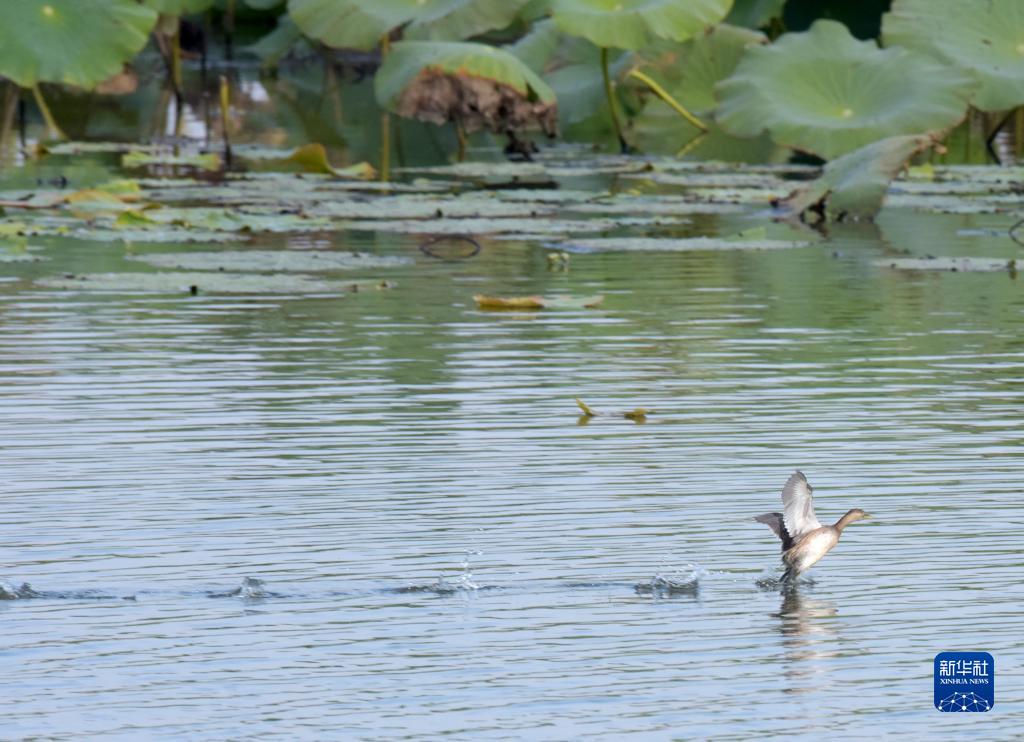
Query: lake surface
[{"x": 447, "y": 548}]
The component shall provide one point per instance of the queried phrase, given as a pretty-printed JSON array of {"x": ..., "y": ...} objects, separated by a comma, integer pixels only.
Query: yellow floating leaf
[
  {"x": 584, "y": 408},
  {"x": 313, "y": 159},
  {"x": 639, "y": 414},
  {"x": 536, "y": 302},
  {"x": 508, "y": 302}
]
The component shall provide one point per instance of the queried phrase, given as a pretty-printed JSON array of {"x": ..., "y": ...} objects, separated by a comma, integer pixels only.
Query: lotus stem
[
  {"x": 229, "y": 28},
  {"x": 51, "y": 123},
  {"x": 610, "y": 95},
  {"x": 460, "y": 132},
  {"x": 225, "y": 106},
  {"x": 179, "y": 97},
  {"x": 385, "y": 122},
  {"x": 691, "y": 145},
  {"x": 665, "y": 96},
  {"x": 10, "y": 111}
]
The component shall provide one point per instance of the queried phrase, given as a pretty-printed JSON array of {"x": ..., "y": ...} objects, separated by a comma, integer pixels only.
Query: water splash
[
  {"x": 10, "y": 591},
  {"x": 250, "y": 589},
  {"x": 677, "y": 583},
  {"x": 463, "y": 584}
]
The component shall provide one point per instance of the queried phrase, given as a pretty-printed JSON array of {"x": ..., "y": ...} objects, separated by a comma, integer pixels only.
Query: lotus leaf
[
  {"x": 349, "y": 24},
  {"x": 634, "y": 24},
  {"x": 855, "y": 184},
  {"x": 169, "y": 234},
  {"x": 537, "y": 47},
  {"x": 413, "y": 207},
  {"x": 203, "y": 161},
  {"x": 505, "y": 226},
  {"x": 689, "y": 73},
  {"x": 201, "y": 283},
  {"x": 953, "y": 265},
  {"x": 825, "y": 92},
  {"x": 272, "y": 261},
  {"x": 754, "y": 13},
  {"x": 672, "y": 244},
  {"x": 179, "y": 7},
  {"x": 75, "y": 42},
  {"x": 215, "y": 219},
  {"x": 356, "y": 24},
  {"x": 475, "y": 85},
  {"x": 985, "y": 38}
]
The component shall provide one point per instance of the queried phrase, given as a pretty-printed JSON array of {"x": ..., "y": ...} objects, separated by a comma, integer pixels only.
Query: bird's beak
[{"x": 868, "y": 516}]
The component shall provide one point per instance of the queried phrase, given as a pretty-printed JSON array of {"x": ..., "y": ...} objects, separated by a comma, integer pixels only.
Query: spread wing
[
  {"x": 798, "y": 506},
  {"x": 774, "y": 521}
]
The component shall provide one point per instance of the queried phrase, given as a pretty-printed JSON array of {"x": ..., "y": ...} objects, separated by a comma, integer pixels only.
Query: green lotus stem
[
  {"x": 176, "y": 61},
  {"x": 460, "y": 132},
  {"x": 691, "y": 145},
  {"x": 385, "y": 122},
  {"x": 665, "y": 96},
  {"x": 179, "y": 96},
  {"x": 225, "y": 106},
  {"x": 51, "y": 122},
  {"x": 609, "y": 94}
]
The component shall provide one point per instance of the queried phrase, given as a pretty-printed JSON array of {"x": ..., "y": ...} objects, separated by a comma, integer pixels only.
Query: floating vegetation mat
[{"x": 570, "y": 200}]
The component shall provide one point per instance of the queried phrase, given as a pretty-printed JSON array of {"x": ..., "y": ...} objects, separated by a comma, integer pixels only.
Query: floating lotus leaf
[
  {"x": 634, "y": 24},
  {"x": 168, "y": 234},
  {"x": 75, "y": 42},
  {"x": 272, "y": 261},
  {"x": 508, "y": 226},
  {"x": 952, "y": 265},
  {"x": 825, "y": 92},
  {"x": 475, "y": 84},
  {"x": 203, "y": 283},
  {"x": 984, "y": 38},
  {"x": 202, "y": 161},
  {"x": 221, "y": 220},
  {"x": 414, "y": 207},
  {"x": 357, "y": 24},
  {"x": 673, "y": 244},
  {"x": 855, "y": 184}
]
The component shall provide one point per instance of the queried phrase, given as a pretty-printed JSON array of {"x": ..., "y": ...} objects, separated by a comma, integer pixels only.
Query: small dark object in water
[
  {"x": 519, "y": 150},
  {"x": 193, "y": 289},
  {"x": 60, "y": 181},
  {"x": 426, "y": 247}
]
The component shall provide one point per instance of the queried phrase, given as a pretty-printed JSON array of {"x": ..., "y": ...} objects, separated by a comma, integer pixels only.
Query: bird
[{"x": 804, "y": 540}]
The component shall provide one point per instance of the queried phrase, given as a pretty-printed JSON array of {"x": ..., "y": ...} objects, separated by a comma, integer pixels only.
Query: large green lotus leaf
[
  {"x": 179, "y": 7},
  {"x": 825, "y": 92},
  {"x": 855, "y": 184},
  {"x": 358, "y": 24},
  {"x": 754, "y": 13},
  {"x": 454, "y": 20},
  {"x": 479, "y": 85},
  {"x": 633, "y": 24},
  {"x": 350, "y": 24},
  {"x": 75, "y": 42},
  {"x": 689, "y": 72},
  {"x": 537, "y": 47},
  {"x": 983, "y": 37}
]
